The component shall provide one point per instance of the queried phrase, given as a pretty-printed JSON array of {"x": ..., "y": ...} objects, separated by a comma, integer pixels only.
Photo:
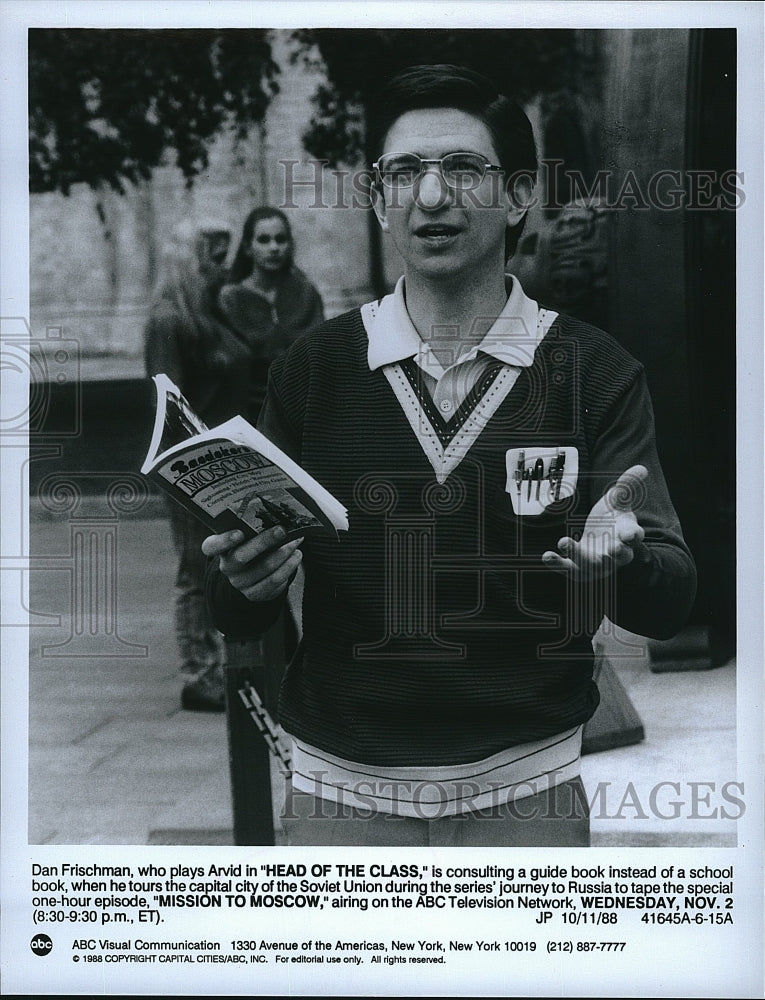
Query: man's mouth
[
  {"x": 437, "y": 235},
  {"x": 436, "y": 230}
]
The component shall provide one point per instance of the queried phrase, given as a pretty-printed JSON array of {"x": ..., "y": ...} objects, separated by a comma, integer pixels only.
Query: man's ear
[
  {"x": 520, "y": 193},
  {"x": 378, "y": 204}
]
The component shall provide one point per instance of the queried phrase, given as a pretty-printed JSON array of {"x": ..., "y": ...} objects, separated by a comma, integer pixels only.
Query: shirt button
[{"x": 446, "y": 405}]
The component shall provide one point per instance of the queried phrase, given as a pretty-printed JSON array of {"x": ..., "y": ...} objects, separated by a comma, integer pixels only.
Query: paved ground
[{"x": 114, "y": 760}]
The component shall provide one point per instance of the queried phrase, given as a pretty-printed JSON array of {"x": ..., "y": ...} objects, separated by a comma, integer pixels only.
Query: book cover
[{"x": 232, "y": 476}]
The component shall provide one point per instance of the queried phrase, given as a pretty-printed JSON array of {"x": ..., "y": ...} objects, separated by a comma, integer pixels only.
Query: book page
[{"x": 175, "y": 421}]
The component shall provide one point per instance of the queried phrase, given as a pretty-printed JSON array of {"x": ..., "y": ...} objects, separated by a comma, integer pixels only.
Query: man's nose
[{"x": 431, "y": 191}]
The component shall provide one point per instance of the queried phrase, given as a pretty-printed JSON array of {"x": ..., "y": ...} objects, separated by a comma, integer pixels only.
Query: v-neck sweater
[{"x": 432, "y": 632}]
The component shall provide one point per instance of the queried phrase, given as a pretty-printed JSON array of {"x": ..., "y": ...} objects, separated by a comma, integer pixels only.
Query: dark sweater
[{"x": 433, "y": 634}]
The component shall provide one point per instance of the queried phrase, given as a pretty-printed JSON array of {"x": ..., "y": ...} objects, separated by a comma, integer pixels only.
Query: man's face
[{"x": 440, "y": 231}]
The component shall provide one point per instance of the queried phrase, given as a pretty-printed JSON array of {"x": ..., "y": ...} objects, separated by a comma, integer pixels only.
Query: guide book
[{"x": 232, "y": 476}]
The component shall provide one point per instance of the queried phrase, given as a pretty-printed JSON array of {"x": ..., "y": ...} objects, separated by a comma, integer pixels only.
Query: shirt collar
[{"x": 512, "y": 338}]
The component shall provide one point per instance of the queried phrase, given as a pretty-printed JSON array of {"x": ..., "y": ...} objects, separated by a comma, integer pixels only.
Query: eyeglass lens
[{"x": 403, "y": 170}]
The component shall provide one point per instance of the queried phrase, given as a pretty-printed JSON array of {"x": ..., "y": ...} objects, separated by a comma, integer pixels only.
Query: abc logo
[{"x": 41, "y": 944}]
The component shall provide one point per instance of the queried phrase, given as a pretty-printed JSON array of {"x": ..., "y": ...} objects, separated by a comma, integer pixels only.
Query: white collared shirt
[{"x": 511, "y": 339}]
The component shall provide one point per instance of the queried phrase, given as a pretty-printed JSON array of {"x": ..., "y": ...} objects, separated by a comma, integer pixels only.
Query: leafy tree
[
  {"x": 106, "y": 106},
  {"x": 524, "y": 63}
]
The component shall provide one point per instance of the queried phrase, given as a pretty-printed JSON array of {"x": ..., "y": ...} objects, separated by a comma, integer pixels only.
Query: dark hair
[
  {"x": 242, "y": 265},
  {"x": 445, "y": 86}
]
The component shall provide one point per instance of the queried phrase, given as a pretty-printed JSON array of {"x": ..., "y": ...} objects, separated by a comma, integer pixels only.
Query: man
[{"x": 504, "y": 494}]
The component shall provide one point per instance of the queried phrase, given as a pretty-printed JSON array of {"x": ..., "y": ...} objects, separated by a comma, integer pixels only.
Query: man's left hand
[{"x": 611, "y": 534}]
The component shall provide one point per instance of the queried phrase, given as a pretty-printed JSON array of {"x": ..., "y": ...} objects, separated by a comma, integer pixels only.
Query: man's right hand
[{"x": 262, "y": 568}]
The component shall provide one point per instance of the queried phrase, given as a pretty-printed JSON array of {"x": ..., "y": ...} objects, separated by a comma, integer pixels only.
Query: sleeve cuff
[{"x": 233, "y": 614}]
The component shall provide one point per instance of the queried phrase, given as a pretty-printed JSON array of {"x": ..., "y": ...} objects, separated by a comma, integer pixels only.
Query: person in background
[
  {"x": 267, "y": 298},
  {"x": 188, "y": 339}
]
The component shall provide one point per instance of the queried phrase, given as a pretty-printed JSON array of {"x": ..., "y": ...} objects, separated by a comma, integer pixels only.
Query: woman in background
[
  {"x": 267, "y": 298},
  {"x": 188, "y": 339},
  {"x": 271, "y": 303}
]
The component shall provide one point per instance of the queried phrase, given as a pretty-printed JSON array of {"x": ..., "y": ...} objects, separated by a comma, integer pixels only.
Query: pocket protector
[{"x": 538, "y": 477}]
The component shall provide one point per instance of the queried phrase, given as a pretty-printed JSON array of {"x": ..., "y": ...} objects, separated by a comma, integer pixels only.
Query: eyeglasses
[{"x": 401, "y": 170}]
